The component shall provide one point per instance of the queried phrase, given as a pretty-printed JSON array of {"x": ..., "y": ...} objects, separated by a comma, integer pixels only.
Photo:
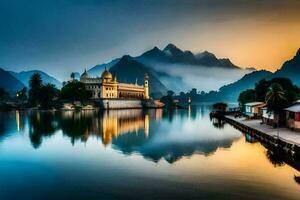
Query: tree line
[
  {"x": 277, "y": 93},
  {"x": 46, "y": 95}
]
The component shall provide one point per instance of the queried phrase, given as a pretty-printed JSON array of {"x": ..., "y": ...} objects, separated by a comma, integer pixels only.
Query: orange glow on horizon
[{"x": 264, "y": 44}]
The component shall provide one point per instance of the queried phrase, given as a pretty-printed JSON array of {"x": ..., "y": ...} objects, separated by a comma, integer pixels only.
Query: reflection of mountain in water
[
  {"x": 162, "y": 143},
  {"x": 171, "y": 151},
  {"x": 155, "y": 134}
]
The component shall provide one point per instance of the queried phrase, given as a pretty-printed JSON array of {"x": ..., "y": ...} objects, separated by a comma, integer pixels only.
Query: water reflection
[
  {"x": 250, "y": 139},
  {"x": 176, "y": 135},
  {"x": 154, "y": 134},
  {"x": 79, "y": 126},
  {"x": 10, "y": 123},
  {"x": 41, "y": 124},
  {"x": 218, "y": 123},
  {"x": 178, "y": 154}
]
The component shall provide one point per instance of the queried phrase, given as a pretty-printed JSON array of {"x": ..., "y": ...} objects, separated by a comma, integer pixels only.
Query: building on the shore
[
  {"x": 254, "y": 109},
  {"x": 107, "y": 87},
  {"x": 293, "y": 116},
  {"x": 220, "y": 107},
  {"x": 268, "y": 116}
]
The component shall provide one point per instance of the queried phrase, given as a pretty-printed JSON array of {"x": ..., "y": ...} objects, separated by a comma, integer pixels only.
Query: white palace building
[{"x": 107, "y": 87}]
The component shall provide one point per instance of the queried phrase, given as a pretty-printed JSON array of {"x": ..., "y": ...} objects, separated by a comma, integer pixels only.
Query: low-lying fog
[{"x": 204, "y": 78}]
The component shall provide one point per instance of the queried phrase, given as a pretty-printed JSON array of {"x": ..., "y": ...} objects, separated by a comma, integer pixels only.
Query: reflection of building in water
[
  {"x": 107, "y": 125},
  {"x": 146, "y": 125},
  {"x": 19, "y": 121},
  {"x": 158, "y": 114},
  {"x": 115, "y": 123},
  {"x": 249, "y": 138}
]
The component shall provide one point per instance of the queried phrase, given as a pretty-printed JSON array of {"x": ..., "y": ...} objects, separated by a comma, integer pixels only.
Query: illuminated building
[{"x": 107, "y": 87}]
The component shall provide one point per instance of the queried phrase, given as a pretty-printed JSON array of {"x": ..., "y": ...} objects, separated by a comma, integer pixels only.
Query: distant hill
[
  {"x": 25, "y": 76},
  {"x": 291, "y": 69},
  {"x": 232, "y": 91},
  {"x": 98, "y": 69},
  {"x": 9, "y": 82},
  {"x": 129, "y": 70}
]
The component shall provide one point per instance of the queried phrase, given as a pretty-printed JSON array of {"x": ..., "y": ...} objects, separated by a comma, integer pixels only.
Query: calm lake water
[{"x": 135, "y": 154}]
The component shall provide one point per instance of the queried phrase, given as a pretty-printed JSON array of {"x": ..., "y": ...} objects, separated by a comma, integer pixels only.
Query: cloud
[{"x": 204, "y": 78}]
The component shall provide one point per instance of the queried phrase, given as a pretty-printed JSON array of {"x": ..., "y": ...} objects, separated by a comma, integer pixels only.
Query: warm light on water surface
[{"x": 112, "y": 155}]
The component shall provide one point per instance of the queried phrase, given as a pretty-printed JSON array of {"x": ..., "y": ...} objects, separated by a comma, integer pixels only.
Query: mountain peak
[
  {"x": 170, "y": 47},
  {"x": 126, "y": 58},
  {"x": 153, "y": 51},
  {"x": 291, "y": 69},
  {"x": 205, "y": 54},
  {"x": 172, "y": 51}
]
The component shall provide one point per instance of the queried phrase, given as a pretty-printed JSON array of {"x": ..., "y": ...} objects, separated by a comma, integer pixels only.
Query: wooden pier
[{"x": 282, "y": 139}]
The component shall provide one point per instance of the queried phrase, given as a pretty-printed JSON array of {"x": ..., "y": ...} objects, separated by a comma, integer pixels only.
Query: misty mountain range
[
  {"x": 174, "y": 69},
  {"x": 179, "y": 70},
  {"x": 230, "y": 92},
  {"x": 171, "y": 55}
]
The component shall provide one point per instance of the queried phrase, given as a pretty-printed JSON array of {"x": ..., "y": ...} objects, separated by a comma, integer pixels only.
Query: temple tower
[{"x": 146, "y": 86}]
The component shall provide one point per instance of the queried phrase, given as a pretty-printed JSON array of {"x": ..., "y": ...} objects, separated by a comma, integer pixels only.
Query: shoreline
[
  {"x": 279, "y": 138},
  {"x": 102, "y": 104}
]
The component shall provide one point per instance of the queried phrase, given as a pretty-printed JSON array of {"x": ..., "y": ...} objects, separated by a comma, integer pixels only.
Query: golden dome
[{"x": 106, "y": 75}]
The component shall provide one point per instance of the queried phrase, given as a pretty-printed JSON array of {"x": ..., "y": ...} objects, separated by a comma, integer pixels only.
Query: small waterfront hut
[
  {"x": 220, "y": 107},
  {"x": 254, "y": 109},
  {"x": 267, "y": 116},
  {"x": 293, "y": 116}
]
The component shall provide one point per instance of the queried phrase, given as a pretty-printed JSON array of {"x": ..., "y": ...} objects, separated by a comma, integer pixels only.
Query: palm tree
[
  {"x": 35, "y": 85},
  {"x": 72, "y": 76},
  {"x": 276, "y": 100}
]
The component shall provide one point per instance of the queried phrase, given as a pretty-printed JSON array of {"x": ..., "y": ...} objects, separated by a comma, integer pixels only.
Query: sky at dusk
[{"x": 61, "y": 36}]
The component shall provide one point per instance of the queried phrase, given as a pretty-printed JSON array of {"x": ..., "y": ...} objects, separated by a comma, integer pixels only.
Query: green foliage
[
  {"x": 168, "y": 99},
  {"x": 291, "y": 92},
  {"x": 261, "y": 89},
  {"x": 47, "y": 96},
  {"x": 170, "y": 93},
  {"x": 22, "y": 94},
  {"x": 281, "y": 91},
  {"x": 275, "y": 98},
  {"x": 245, "y": 97},
  {"x": 75, "y": 91},
  {"x": 192, "y": 94},
  {"x": 72, "y": 76},
  {"x": 40, "y": 94},
  {"x": 35, "y": 85}
]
